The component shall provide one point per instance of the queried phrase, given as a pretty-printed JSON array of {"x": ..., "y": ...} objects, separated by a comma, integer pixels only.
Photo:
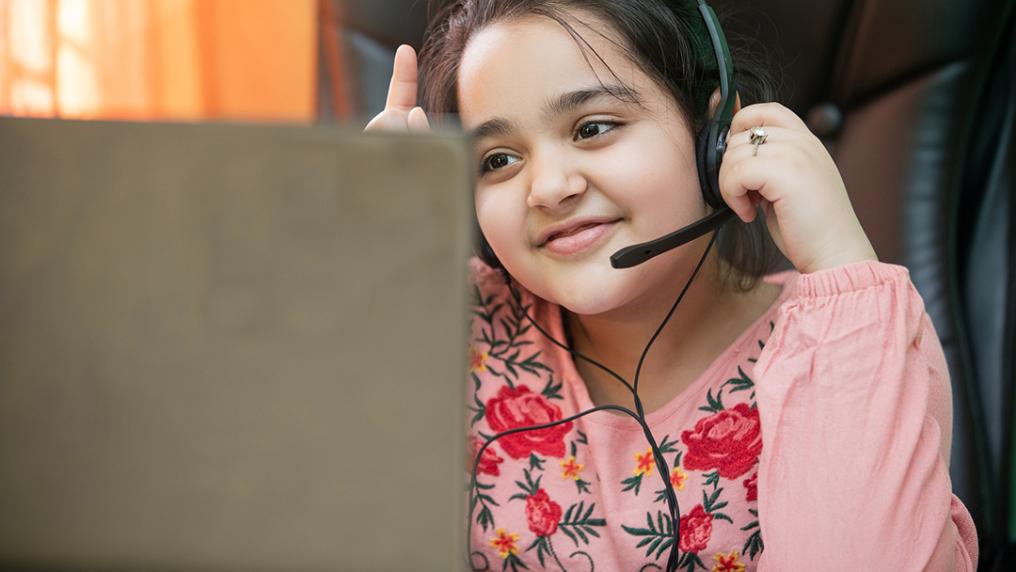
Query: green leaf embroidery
[
  {"x": 712, "y": 479},
  {"x": 485, "y": 518},
  {"x": 576, "y": 524},
  {"x": 741, "y": 383},
  {"x": 480, "y": 409},
  {"x": 507, "y": 349},
  {"x": 657, "y": 536},
  {"x": 753, "y": 545},
  {"x": 668, "y": 446},
  {"x": 514, "y": 563},
  {"x": 661, "y": 496},
  {"x": 582, "y": 486},
  {"x": 715, "y": 404},
  {"x": 690, "y": 561},
  {"x": 708, "y": 500},
  {"x": 530, "y": 486},
  {"x": 581, "y": 440},
  {"x": 542, "y": 547},
  {"x": 722, "y": 516},
  {"x": 632, "y": 483},
  {"x": 551, "y": 391}
]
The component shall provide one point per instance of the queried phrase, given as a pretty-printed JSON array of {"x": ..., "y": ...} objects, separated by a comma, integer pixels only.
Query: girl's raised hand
[
  {"x": 401, "y": 112},
  {"x": 794, "y": 178}
]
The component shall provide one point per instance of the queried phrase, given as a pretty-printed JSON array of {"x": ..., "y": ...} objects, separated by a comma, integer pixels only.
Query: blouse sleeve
[{"x": 856, "y": 411}]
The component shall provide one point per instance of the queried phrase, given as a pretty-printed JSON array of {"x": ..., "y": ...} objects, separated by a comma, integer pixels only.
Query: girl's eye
[
  {"x": 494, "y": 162},
  {"x": 588, "y": 130}
]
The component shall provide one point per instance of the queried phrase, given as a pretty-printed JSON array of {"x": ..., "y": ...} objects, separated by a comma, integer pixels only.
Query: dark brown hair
[{"x": 667, "y": 39}]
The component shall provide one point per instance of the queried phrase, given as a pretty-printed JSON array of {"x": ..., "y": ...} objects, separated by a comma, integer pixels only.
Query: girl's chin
[
  {"x": 590, "y": 296},
  {"x": 588, "y": 286}
]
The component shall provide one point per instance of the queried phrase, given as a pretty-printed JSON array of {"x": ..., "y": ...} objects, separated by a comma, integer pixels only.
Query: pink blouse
[{"x": 818, "y": 440}]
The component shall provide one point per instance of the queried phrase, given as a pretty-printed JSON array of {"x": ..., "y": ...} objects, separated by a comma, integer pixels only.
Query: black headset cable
[{"x": 638, "y": 416}]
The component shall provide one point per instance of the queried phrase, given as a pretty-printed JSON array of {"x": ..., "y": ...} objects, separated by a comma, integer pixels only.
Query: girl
[{"x": 803, "y": 418}]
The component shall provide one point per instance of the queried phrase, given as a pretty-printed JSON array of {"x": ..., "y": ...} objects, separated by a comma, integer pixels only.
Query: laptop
[{"x": 232, "y": 347}]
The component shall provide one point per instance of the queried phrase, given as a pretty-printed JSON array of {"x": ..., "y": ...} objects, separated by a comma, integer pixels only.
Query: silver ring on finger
[{"x": 757, "y": 137}]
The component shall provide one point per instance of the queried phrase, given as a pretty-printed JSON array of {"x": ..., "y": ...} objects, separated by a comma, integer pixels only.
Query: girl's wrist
[{"x": 849, "y": 256}]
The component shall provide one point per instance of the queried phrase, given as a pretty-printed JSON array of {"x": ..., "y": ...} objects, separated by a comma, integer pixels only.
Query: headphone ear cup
[{"x": 709, "y": 171}]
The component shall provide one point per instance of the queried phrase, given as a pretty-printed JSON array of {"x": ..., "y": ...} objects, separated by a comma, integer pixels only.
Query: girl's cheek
[
  {"x": 501, "y": 225},
  {"x": 655, "y": 185}
]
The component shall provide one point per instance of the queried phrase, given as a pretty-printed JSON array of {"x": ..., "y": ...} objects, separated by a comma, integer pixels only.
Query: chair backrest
[
  {"x": 358, "y": 42},
  {"x": 985, "y": 255},
  {"x": 915, "y": 100},
  {"x": 923, "y": 95}
]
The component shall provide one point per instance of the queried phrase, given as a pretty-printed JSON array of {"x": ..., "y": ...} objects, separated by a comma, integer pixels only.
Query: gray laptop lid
[{"x": 231, "y": 347}]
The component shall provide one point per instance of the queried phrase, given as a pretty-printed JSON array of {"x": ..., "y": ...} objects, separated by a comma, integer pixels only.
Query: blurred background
[
  {"x": 159, "y": 59},
  {"x": 915, "y": 99},
  {"x": 192, "y": 60}
]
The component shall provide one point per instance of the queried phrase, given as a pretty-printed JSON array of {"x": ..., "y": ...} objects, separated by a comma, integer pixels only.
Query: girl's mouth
[{"x": 580, "y": 239}]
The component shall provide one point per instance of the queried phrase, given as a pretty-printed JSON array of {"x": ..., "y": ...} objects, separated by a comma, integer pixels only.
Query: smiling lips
[{"x": 579, "y": 238}]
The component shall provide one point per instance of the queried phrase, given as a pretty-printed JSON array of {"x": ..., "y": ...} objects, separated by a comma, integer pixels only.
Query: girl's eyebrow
[{"x": 564, "y": 103}]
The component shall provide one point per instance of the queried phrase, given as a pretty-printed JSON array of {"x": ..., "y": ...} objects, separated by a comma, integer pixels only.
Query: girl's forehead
[{"x": 509, "y": 65}]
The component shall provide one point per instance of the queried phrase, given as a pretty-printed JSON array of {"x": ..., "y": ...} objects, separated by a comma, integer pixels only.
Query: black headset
[{"x": 711, "y": 144}]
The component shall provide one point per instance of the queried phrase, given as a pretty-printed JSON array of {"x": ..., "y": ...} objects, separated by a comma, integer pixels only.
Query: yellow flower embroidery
[
  {"x": 644, "y": 463},
  {"x": 572, "y": 469},
  {"x": 727, "y": 562},
  {"x": 505, "y": 543},
  {"x": 477, "y": 360},
  {"x": 678, "y": 478}
]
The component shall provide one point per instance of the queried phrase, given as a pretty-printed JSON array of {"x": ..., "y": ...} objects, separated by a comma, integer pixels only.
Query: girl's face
[{"x": 545, "y": 157}]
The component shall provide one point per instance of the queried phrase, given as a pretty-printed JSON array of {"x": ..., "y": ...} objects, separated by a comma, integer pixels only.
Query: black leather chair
[{"x": 916, "y": 101}]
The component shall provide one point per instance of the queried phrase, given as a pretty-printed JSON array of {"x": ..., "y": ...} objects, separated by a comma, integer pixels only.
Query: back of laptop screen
[{"x": 231, "y": 347}]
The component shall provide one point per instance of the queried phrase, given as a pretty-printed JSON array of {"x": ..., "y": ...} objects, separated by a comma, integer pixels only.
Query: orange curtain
[{"x": 159, "y": 59}]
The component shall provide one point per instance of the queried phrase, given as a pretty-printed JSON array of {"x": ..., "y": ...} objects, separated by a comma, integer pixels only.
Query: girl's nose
[{"x": 553, "y": 183}]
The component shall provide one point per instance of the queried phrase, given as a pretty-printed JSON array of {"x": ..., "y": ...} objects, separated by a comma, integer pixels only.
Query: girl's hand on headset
[
  {"x": 401, "y": 112},
  {"x": 794, "y": 178}
]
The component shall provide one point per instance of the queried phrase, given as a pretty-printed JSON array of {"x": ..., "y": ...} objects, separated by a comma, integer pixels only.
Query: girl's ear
[{"x": 714, "y": 101}]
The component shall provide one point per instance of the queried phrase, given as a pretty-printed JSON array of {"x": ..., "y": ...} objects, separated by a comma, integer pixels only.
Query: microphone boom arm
[{"x": 638, "y": 253}]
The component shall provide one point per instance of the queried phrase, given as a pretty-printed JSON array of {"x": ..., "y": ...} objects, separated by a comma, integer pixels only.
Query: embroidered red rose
[
  {"x": 489, "y": 461},
  {"x": 752, "y": 485},
  {"x": 520, "y": 407},
  {"x": 730, "y": 440},
  {"x": 542, "y": 513},
  {"x": 696, "y": 528}
]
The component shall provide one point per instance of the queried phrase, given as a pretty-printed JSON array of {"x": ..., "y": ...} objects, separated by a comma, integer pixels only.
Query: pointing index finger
[{"x": 402, "y": 89}]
